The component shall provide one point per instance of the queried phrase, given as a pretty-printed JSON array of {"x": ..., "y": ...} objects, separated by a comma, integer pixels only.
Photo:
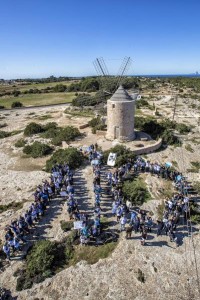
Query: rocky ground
[{"x": 169, "y": 272}]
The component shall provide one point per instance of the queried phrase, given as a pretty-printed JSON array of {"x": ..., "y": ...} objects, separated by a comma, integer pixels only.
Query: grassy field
[
  {"x": 38, "y": 99},
  {"x": 39, "y": 86}
]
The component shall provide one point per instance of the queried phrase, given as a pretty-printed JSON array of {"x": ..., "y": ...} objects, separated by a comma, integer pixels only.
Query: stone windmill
[{"x": 120, "y": 107}]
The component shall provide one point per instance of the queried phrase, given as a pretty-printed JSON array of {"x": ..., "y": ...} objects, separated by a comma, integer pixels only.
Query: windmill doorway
[{"x": 116, "y": 132}]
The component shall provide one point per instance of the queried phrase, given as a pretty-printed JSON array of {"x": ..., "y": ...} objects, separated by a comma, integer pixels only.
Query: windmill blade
[
  {"x": 104, "y": 66},
  {"x": 102, "y": 72},
  {"x": 126, "y": 63},
  {"x": 100, "y": 65},
  {"x": 97, "y": 68}
]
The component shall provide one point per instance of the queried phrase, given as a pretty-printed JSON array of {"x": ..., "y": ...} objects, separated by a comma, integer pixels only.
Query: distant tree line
[{"x": 89, "y": 84}]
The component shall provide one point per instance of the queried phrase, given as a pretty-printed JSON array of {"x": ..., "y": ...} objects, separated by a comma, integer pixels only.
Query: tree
[
  {"x": 33, "y": 128},
  {"x": 71, "y": 156},
  {"x": 90, "y": 85},
  {"x": 67, "y": 134},
  {"x": 60, "y": 88},
  {"x": 136, "y": 191},
  {"x": 37, "y": 149}
]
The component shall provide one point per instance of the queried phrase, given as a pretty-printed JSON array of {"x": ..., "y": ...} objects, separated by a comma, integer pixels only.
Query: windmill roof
[{"x": 121, "y": 95}]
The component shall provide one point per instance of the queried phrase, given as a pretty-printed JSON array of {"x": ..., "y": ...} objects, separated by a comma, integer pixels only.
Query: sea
[{"x": 169, "y": 75}]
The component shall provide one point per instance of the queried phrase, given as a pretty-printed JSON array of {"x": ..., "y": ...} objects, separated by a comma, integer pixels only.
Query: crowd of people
[
  {"x": 92, "y": 229},
  {"x": 61, "y": 181},
  {"x": 139, "y": 221}
]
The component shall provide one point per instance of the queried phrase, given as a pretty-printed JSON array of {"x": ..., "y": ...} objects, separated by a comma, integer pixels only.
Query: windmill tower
[
  {"x": 120, "y": 107},
  {"x": 120, "y": 116}
]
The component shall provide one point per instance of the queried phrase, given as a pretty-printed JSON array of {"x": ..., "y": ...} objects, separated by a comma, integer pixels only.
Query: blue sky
[{"x": 43, "y": 38}]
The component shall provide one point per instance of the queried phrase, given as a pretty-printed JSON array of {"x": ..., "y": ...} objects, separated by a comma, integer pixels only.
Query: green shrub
[
  {"x": 182, "y": 128},
  {"x": 140, "y": 276},
  {"x": 33, "y": 128},
  {"x": 2, "y": 106},
  {"x": 136, "y": 191},
  {"x": 51, "y": 130},
  {"x": 196, "y": 186},
  {"x": 20, "y": 143},
  {"x": 12, "y": 205},
  {"x": 169, "y": 139},
  {"x": 71, "y": 156},
  {"x": 195, "y": 213},
  {"x": 41, "y": 257},
  {"x": 50, "y": 125},
  {"x": 16, "y": 104},
  {"x": 4, "y": 134},
  {"x": 43, "y": 260},
  {"x": 85, "y": 100},
  {"x": 94, "y": 122},
  {"x": 37, "y": 149},
  {"x": 66, "y": 226},
  {"x": 157, "y": 129},
  {"x": 23, "y": 283},
  {"x": 90, "y": 85},
  {"x": 66, "y": 134},
  {"x": 196, "y": 165},
  {"x": 142, "y": 103},
  {"x": 60, "y": 88},
  {"x": 189, "y": 148}
]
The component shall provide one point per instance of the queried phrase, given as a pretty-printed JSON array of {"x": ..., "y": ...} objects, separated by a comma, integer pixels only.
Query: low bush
[
  {"x": 85, "y": 100},
  {"x": 50, "y": 125},
  {"x": 41, "y": 262},
  {"x": 196, "y": 165},
  {"x": 157, "y": 129},
  {"x": 37, "y": 149},
  {"x": 71, "y": 156},
  {"x": 96, "y": 124},
  {"x": 13, "y": 205},
  {"x": 195, "y": 213},
  {"x": 196, "y": 186},
  {"x": 143, "y": 103},
  {"x": 189, "y": 148},
  {"x": 44, "y": 259},
  {"x": 140, "y": 276},
  {"x": 33, "y": 128},
  {"x": 16, "y": 104},
  {"x": 182, "y": 128},
  {"x": 20, "y": 143},
  {"x": 2, "y": 106},
  {"x": 66, "y": 226},
  {"x": 4, "y": 134},
  {"x": 66, "y": 134},
  {"x": 136, "y": 191}
]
